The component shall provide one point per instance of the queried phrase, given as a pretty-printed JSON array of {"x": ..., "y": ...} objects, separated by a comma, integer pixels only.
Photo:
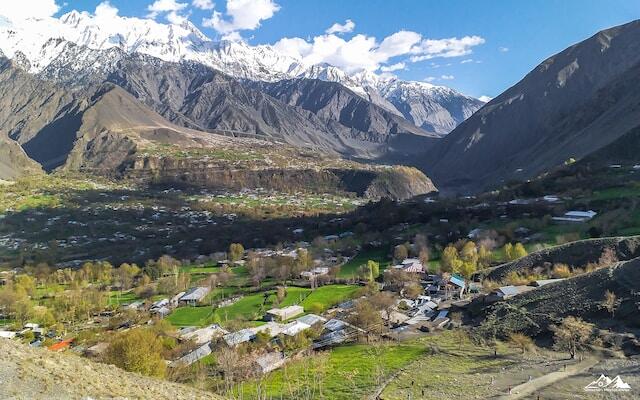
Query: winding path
[{"x": 534, "y": 385}]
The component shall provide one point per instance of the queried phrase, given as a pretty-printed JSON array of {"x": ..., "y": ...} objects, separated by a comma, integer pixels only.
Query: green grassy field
[
  {"x": 447, "y": 361},
  {"x": 350, "y": 268},
  {"x": 617, "y": 192},
  {"x": 345, "y": 373},
  {"x": 191, "y": 316},
  {"x": 328, "y": 296},
  {"x": 196, "y": 269},
  {"x": 117, "y": 298},
  {"x": 253, "y": 307}
]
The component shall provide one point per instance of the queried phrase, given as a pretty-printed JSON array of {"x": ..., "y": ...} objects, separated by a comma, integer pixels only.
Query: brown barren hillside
[{"x": 28, "y": 373}]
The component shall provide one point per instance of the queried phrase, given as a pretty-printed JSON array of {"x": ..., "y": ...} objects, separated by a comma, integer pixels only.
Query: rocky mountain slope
[
  {"x": 574, "y": 103},
  {"x": 580, "y": 296},
  {"x": 14, "y": 162},
  {"x": 103, "y": 129},
  {"x": 28, "y": 373}
]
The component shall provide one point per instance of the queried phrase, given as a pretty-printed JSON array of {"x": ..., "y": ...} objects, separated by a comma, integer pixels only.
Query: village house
[
  {"x": 507, "y": 292},
  {"x": 204, "y": 335},
  {"x": 61, "y": 346},
  {"x": 412, "y": 265},
  {"x": 235, "y": 338},
  {"x": 283, "y": 314},
  {"x": 318, "y": 271},
  {"x": 194, "y": 295},
  {"x": 543, "y": 282},
  {"x": 7, "y": 334},
  {"x": 576, "y": 216},
  {"x": 270, "y": 362},
  {"x": 311, "y": 319},
  {"x": 190, "y": 358},
  {"x": 175, "y": 299},
  {"x": 294, "y": 327}
]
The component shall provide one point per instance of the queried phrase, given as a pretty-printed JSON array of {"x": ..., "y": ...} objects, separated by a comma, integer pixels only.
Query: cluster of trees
[
  {"x": 513, "y": 252},
  {"x": 465, "y": 258}
]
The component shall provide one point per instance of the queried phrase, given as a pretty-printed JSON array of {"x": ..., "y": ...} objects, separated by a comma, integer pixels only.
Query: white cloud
[
  {"x": 171, "y": 9},
  {"x": 393, "y": 67},
  {"x": 362, "y": 52},
  {"x": 241, "y": 15},
  {"x": 347, "y": 27},
  {"x": 447, "y": 77},
  {"x": 18, "y": 10},
  {"x": 503, "y": 49},
  {"x": 430, "y": 79},
  {"x": 105, "y": 10},
  {"x": 203, "y": 4},
  {"x": 175, "y": 18},
  {"x": 160, "y": 6},
  {"x": 485, "y": 99},
  {"x": 445, "y": 48},
  {"x": 468, "y": 60}
]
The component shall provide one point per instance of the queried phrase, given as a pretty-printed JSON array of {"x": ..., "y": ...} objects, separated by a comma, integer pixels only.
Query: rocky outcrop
[{"x": 397, "y": 183}]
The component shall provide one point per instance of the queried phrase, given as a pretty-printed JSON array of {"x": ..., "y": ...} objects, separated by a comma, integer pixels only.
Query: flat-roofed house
[
  {"x": 204, "y": 335},
  {"x": 576, "y": 216},
  {"x": 282, "y": 314},
  {"x": 197, "y": 354},
  {"x": 194, "y": 295},
  {"x": 295, "y": 327}
]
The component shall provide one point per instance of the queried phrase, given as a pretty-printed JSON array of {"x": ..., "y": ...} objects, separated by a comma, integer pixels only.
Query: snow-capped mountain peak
[{"x": 38, "y": 43}]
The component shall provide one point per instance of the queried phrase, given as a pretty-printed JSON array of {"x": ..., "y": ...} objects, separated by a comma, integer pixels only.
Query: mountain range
[{"x": 581, "y": 103}]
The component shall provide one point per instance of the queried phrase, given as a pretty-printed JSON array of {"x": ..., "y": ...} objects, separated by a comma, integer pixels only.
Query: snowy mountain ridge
[{"x": 38, "y": 44}]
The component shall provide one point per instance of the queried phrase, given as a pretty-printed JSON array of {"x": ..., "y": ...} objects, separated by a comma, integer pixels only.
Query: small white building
[
  {"x": 295, "y": 327},
  {"x": 283, "y": 314}
]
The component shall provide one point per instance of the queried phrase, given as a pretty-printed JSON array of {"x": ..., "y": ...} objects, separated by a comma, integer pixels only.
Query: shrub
[
  {"x": 561, "y": 271},
  {"x": 138, "y": 350},
  {"x": 514, "y": 278},
  {"x": 522, "y": 342},
  {"x": 315, "y": 308}
]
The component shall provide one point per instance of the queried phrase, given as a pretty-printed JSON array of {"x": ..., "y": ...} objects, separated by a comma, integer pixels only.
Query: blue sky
[{"x": 515, "y": 35}]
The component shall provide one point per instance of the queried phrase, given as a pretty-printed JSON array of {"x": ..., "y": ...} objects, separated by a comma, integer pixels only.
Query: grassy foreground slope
[{"x": 28, "y": 373}]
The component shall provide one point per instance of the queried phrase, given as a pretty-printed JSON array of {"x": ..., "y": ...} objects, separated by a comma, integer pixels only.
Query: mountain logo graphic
[{"x": 606, "y": 384}]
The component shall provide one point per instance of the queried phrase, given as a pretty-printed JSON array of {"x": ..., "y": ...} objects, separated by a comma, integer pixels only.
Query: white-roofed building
[
  {"x": 283, "y": 314},
  {"x": 311, "y": 319},
  {"x": 293, "y": 328},
  {"x": 204, "y": 335}
]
